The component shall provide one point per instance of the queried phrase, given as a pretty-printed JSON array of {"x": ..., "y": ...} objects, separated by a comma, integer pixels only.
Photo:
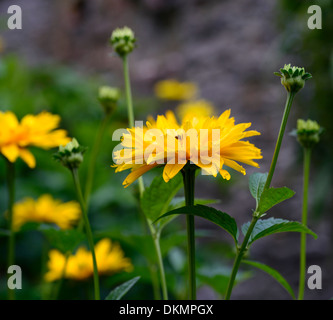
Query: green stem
[
  {"x": 239, "y": 257},
  {"x": 154, "y": 235},
  {"x": 88, "y": 230},
  {"x": 128, "y": 92},
  {"x": 256, "y": 214},
  {"x": 11, "y": 200},
  {"x": 306, "y": 173},
  {"x": 189, "y": 179},
  {"x": 93, "y": 158},
  {"x": 287, "y": 108}
]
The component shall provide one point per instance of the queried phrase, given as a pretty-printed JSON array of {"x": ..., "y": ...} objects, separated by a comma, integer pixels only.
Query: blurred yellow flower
[
  {"x": 33, "y": 130},
  {"x": 110, "y": 259},
  {"x": 198, "y": 108},
  {"x": 46, "y": 210},
  {"x": 208, "y": 142},
  {"x": 174, "y": 90}
]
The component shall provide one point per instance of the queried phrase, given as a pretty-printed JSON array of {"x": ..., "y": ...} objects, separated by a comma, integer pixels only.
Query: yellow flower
[
  {"x": 198, "y": 108},
  {"x": 208, "y": 142},
  {"x": 38, "y": 131},
  {"x": 46, "y": 210},
  {"x": 109, "y": 256},
  {"x": 174, "y": 90}
]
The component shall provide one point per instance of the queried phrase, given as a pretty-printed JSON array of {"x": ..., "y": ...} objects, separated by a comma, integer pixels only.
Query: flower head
[
  {"x": 108, "y": 97},
  {"x": 46, "y": 210},
  {"x": 196, "y": 108},
  {"x": 308, "y": 132},
  {"x": 33, "y": 130},
  {"x": 123, "y": 41},
  {"x": 293, "y": 78},
  {"x": 109, "y": 256},
  {"x": 174, "y": 90},
  {"x": 70, "y": 155},
  {"x": 209, "y": 143}
]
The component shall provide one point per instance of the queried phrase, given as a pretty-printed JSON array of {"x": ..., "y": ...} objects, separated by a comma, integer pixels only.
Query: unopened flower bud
[
  {"x": 123, "y": 41},
  {"x": 70, "y": 155},
  {"x": 293, "y": 78},
  {"x": 108, "y": 97},
  {"x": 308, "y": 132}
]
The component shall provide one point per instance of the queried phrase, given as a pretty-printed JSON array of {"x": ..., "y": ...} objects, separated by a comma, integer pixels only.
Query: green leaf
[
  {"x": 271, "y": 197},
  {"x": 218, "y": 277},
  {"x": 157, "y": 197},
  {"x": 256, "y": 185},
  {"x": 118, "y": 292},
  {"x": 274, "y": 273},
  {"x": 270, "y": 226},
  {"x": 220, "y": 218},
  {"x": 63, "y": 240}
]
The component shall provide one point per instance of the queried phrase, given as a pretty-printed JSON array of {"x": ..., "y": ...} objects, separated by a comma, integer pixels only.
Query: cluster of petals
[
  {"x": 211, "y": 143},
  {"x": 32, "y": 131},
  {"x": 46, "y": 210},
  {"x": 110, "y": 259}
]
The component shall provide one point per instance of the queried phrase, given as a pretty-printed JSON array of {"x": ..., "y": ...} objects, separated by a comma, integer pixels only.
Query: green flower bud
[
  {"x": 70, "y": 155},
  {"x": 123, "y": 41},
  {"x": 308, "y": 133},
  {"x": 108, "y": 97},
  {"x": 293, "y": 78}
]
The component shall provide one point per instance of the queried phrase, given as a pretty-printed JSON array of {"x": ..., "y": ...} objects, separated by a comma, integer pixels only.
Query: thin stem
[
  {"x": 189, "y": 179},
  {"x": 88, "y": 230},
  {"x": 256, "y": 215},
  {"x": 287, "y": 108},
  {"x": 11, "y": 200},
  {"x": 153, "y": 232},
  {"x": 93, "y": 158},
  {"x": 156, "y": 238},
  {"x": 239, "y": 257},
  {"x": 57, "y": 286},
  {"x": 128, "y": 92},
  {"x": 306, "y": 173}
]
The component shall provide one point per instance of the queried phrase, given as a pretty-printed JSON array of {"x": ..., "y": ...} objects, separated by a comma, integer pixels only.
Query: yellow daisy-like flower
[
  {"x": 33, "y": 130},
  {"x": 109, "y": 256},
  {"x": 197, "y": 108},
  {"x": 174, "y": 90},
  {"x": 208, "y": 142},
  {"x": 46, "y": 210}
]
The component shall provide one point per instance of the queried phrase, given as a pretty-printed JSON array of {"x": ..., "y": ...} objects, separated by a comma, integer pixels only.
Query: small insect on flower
[
  {"x": 209, "y": 143},
  {"x": 46, "y": 210},
  {"x": 33, "y": 130},
  {"x": 110, "y": 260}
]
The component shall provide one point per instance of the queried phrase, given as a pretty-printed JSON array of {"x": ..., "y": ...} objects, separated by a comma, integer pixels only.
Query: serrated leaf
[
  {"x": 156, "y": 199},
  {"x": 271, "y": 197},
  {"x": 273, "y": 273},
  {"x": 220, "y": 218},
  {"x": 118, "y": 292},
  {"x": 256, "y": 185},
  {"x": 270, "y": 226}
]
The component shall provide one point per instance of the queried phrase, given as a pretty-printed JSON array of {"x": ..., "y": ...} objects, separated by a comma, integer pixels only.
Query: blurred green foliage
[{"x": 113, "y": 210}]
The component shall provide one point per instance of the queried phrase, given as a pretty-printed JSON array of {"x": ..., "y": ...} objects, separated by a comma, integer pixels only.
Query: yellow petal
[
  {"x": 170, "y": 170},
  {"x": 137, "y": 173},
  {"x": 28, "y": 158},
  {"x": 11, "y": 152}
]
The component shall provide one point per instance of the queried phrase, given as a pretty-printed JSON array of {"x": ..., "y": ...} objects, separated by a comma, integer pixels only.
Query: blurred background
[{"x": 230, "y": 50}]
